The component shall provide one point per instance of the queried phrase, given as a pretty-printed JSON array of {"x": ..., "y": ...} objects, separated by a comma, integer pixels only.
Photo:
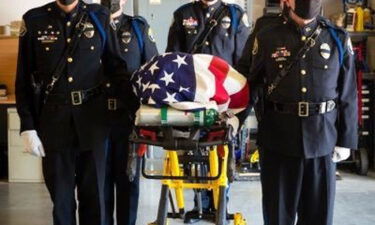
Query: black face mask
[
  {"x": 308, "y": 9},
  {"x": 112, "y": 5},
  {"x": 66, "y": 2}
]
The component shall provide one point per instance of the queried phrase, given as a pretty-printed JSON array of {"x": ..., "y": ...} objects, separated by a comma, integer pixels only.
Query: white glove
[
  {"x": 340, "y": 154},
  {"x": 234, "y": 123},
  {"x": 33, "y": 145}
]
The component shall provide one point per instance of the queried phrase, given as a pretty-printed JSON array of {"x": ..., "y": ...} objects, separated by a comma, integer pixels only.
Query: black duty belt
[
  {"x": 303, "y": 109},
  {"x": 115, "y": 104},
  {"x": 75, "y": 97}
]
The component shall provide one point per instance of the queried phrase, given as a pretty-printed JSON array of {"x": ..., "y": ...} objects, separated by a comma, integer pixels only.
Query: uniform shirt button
[
  {"x": 208, "y": 15},
  {"x": 70, "y": 59},
  {"x": 68, "y": 40},
  {"x": 47, "y": 49},
  {"x": 70, "y": 79},
  {"x": 207, "y": 43},
  {"x": 303, "y": 72},
  {"x": 304, "y": 56},
  {"x": 126, "y": 50},
  {"x": 108, "y": 85},
  {"x": 226, "y": 34},
  {"x": 304, "y": 90},
  {"x": 92, "y": 48},
  {"x": 284, "y": 22},
  {"x": 326, "y": 67},
  {"x": 49, "y": 9},
  {"x": 68, "y": 23},
  {"x": 303, "y": 38},
  {"x": 281, "y": 66}
]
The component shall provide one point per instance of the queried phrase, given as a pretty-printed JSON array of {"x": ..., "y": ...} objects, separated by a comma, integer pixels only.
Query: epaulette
[
  {"x": 140, "y": 19},
  {"x": 185, "y": 6},
  {"x": 328, "y": 24},
  {"x": 270, "y": 17},
  {"x": 237, "y": 7},
  {"x": 98, "y": 9},
  {"x": 37, "y": 12}
]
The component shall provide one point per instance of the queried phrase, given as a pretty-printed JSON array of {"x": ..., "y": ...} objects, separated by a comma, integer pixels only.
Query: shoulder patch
[
  {"x": 245, "y": 20},
  {"x": 23, "y": 29},
  {"x": 255, "y": 47},
  {"x": 349, "y": 45},
  {"x": 151, "y": 34}
]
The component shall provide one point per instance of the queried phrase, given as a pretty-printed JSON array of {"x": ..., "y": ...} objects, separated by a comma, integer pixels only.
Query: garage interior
[{"x": 24, "y": 198}]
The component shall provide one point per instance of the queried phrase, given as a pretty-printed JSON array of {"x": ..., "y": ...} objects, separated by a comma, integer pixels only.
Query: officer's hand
[
  {"x": 32, "y": 143},
  {"x": 340, "y": 154}
]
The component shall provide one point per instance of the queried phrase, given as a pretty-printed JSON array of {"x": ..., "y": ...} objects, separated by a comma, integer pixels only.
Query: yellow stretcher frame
[{"x": 171, "y": 167}]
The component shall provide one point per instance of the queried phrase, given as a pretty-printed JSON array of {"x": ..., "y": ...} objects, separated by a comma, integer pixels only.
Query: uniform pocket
[{"x": 325, "y": 74}]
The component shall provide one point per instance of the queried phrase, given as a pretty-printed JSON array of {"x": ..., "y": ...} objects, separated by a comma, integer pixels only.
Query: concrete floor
[{"x": 29, "y": 204}]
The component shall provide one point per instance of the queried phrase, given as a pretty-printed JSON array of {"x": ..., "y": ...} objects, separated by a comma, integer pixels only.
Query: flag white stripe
[{"x": 205, "y": 80}]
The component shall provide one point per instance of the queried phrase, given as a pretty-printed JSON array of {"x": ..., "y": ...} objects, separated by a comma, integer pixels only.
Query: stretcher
[{"x": 195, "y": 157}]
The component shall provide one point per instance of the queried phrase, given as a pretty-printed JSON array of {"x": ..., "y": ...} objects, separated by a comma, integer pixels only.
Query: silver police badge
[
  {"x": 225, "y": 22},
  {"x": 89, "y": 31},
  {"x": 325, "y": 51},
  {"x": 126, "y": 37}
]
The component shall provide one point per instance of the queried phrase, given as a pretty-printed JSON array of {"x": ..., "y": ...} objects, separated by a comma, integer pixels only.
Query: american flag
[{"x": 190, "y": 82}]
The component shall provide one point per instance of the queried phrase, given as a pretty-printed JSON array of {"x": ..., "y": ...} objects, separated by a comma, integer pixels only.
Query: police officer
[
  {"x": 64, "y": 47},
  {"x": 306, "y": 67},
  {"x": 137, "y": 46},
  {"x": 193, "y": 21},
  {"x": 210, "y": 27},
  {"x": 244, "y": 63}
]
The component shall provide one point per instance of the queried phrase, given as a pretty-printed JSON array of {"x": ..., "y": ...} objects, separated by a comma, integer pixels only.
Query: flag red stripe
[
  {"x": 220, "y": 69},
  {"x": 240, "y": 99}
]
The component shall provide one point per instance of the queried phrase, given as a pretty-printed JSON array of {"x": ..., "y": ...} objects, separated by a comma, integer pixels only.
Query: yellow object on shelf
[{"x": 359, "y": 24}]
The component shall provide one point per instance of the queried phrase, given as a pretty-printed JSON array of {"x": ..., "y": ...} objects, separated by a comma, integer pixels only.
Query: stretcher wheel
[
  {"x": 163, "y": 206},
  {"x": 362, "y": 161},
  {"x": 221, "y": 213}
]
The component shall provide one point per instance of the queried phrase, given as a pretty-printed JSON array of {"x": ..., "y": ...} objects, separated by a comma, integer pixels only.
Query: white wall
[
  {"x": 11, "y": 10},
  {"x": 14, "y": 9}
]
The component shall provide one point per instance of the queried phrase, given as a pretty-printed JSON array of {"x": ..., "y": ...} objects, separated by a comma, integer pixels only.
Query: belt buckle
[
  {"x": 303, "y": 109},
  {"x": 112, "y": 104},
  {"x": 76, "y": 97},
  {"x": 331, "y": 105}
]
